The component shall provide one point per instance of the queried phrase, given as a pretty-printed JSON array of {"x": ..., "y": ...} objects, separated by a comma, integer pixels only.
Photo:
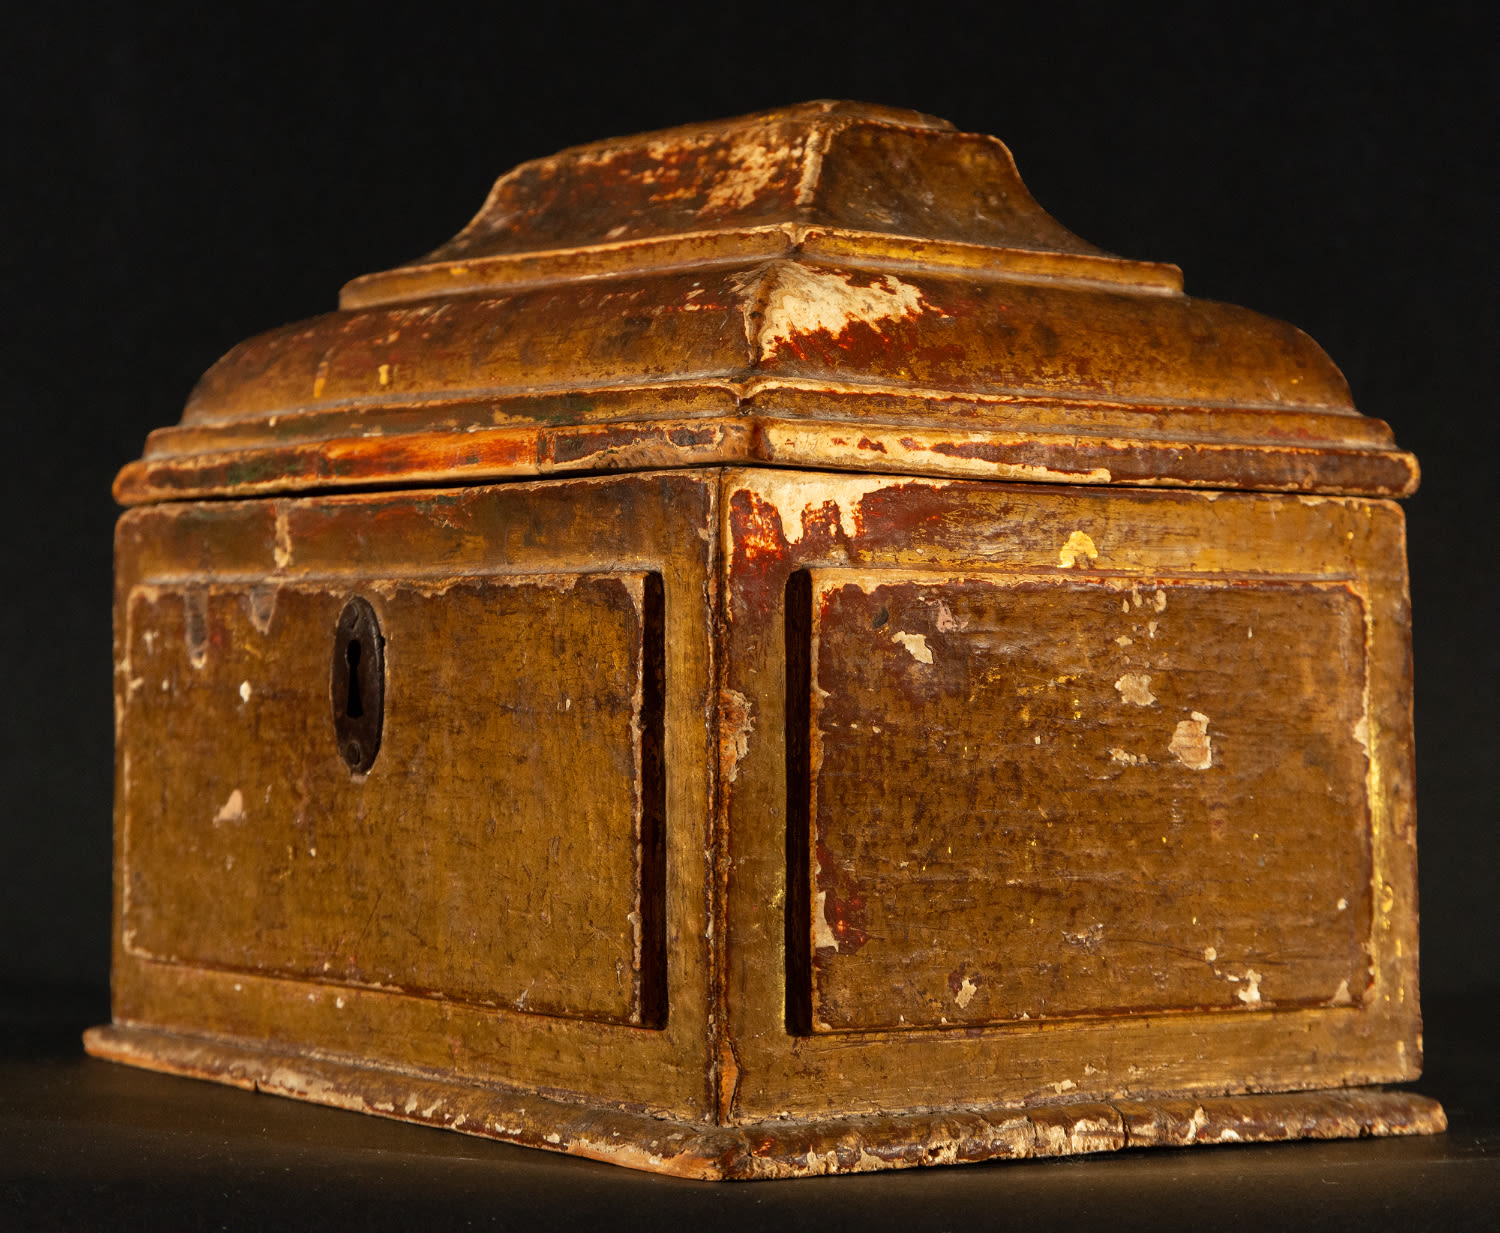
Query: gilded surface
[
  {"x": 490, "y": 855},
  {"x": 827, "y": 286},
  {"x": 1223, "y": 563},
  {"x": 1037, "y": 797},
  {"x": 523, "y": 737},
  {"x": 950, "y": 697}
]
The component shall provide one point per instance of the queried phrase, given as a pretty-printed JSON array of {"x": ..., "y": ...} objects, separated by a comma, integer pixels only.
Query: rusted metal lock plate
[{"x": 357, "y": 685}]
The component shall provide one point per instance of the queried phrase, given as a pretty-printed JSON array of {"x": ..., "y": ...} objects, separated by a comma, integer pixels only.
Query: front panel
[
  {"x": 422, "y": 779},
  {"x": 521, "y": 716}
]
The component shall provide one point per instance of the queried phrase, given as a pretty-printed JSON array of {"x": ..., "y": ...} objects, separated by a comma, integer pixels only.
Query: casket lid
[{"x": 832, "y": 285}]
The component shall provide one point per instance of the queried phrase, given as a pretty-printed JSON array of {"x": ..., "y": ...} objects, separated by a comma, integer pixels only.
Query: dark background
[{"x": 178, "y": 179}]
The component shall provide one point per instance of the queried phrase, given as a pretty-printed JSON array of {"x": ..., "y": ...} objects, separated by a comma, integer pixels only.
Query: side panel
[
  {"x": 1033, "y": 793},
  {"x": 1035, "y": 797},
  {"x": 513, "y": 890}
]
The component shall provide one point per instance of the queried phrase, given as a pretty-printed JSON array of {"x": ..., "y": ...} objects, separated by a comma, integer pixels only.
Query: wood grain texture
[
  {"x": 493, "y": 854},
  {"x": 1049, "y": 795}
]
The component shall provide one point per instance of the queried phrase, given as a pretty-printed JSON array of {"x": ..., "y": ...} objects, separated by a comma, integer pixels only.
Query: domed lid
[{"x": 832, "y": 286}]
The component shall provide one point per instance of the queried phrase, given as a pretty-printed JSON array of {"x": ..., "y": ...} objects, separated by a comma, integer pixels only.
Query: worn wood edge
[
  {"x": 512, "y": 1115},
  {"x": 659, "y": 254},
  {"x": 859, "y": 404},
  {"x": 775, "y": 1149},
  {"x": 504, "y": 453},
  {"x": 821, "y": 123},
  {"x": 826, "y": 110}
]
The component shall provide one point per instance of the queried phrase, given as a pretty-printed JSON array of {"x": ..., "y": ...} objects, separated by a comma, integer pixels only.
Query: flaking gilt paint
[{"x": 829, "y": 672}]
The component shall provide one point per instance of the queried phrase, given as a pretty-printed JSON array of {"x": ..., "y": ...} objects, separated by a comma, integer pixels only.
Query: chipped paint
[
  {"x": 244, "y": 691},
  {"x": 946, "y": 622},
  {"x": 736, "y": 723},
  {"x": 281, "y": 551},
  {"x": 753, "y": 168},
  {"x": 1192, "y": 744},
  {"x": 261, "y": 601},
  {"x": 1341, "y": 995},
  {"x": 795, "y": 494},
  {"x": 195, "y": 625},
  {"x": 1198, "y": 1121},
  {"x": 1362, "y": 733},
  {"x": 814, "y": 148},
  {"x": 799, "y": 301},
  {"x": 1250, "y": 993},
  {"x": 1078, "y": 548},
  {"x": 823, "y": 446},
  {"x": 966, "y": 991},
  {"x": 1135, "y": 688},
  {"x": 233, "y": 809},
  {"x": 823, "y": 935},
  {"x": 916, "y": 644},
  {"x": 1123, "y": 758},
  {"x": 1090, "y": 939},
  {"x": 782, "y": 1147}
]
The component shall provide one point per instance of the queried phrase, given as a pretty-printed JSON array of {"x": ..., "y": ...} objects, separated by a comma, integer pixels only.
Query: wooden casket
[{"x": 763, "y": 656}]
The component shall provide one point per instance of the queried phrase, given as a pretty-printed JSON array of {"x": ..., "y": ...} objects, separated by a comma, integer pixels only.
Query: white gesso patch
[
  {"x": 754, "y": 168},
  {"x": 803, "y": 301},
  {"x": 916, "y": 644},
  {"x": 823, "y": 936},
  {"x": 1362, "y": 733},
  {"x": 1135, "y": 688},
  {"x": 232, "y": 810},
  {"x": 739, "y": 725},
  {"x": 1191, "y": 743},
  {"x": 795, "y": 494}
]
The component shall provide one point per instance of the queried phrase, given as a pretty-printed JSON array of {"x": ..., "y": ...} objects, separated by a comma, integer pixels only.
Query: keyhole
[
  {"x": 357, "y": 687},
  {"x": 353, "y": 707}
]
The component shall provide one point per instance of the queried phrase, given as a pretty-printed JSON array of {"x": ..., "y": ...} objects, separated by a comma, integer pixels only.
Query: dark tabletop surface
[{"x": 89, "y": 1145}]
